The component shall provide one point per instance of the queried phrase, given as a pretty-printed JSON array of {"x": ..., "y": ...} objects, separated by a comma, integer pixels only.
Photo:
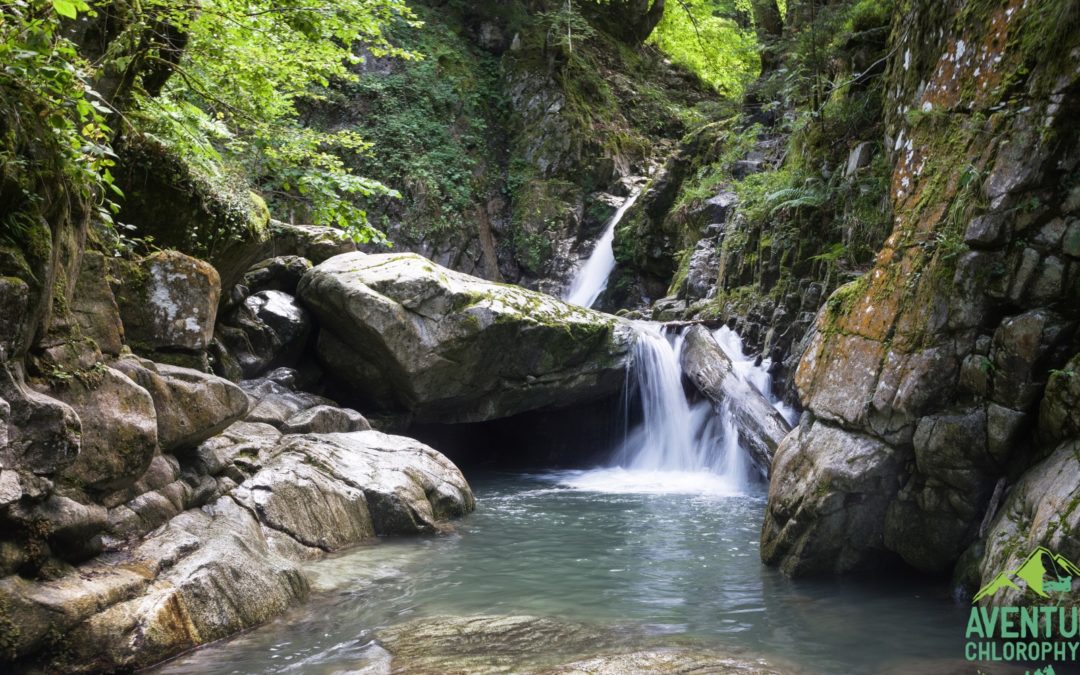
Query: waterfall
[
  {"x": 675, "y": 435},
  {"x": 592, "y": 278},
  {"x": 678, "y": 446}
]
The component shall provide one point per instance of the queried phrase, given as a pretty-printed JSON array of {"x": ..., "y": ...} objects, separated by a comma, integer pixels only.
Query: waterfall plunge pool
[
  {"x": 659, "y": 551},
  {"x": 682, "y": 567}
]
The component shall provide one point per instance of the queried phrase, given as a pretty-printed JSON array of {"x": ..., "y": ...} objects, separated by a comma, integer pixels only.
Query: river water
[{"x": 682, "y": 566}]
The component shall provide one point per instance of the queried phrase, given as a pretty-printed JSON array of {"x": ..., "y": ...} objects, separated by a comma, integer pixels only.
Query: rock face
[
  {"x": 761, "y": 428},
  {"x": 933, "y": 363},
  {"x": 447, "y": 347}
]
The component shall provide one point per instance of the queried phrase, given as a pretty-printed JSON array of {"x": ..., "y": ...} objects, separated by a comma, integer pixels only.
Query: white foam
[{"x": 619, "y": 480}]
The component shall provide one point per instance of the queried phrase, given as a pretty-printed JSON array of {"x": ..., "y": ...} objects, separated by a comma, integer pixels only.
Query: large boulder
[
  {"x": 191, "y": 406},
  {"x": 168, "y": 301},
  {"x": 829, "y": 493},
  {"x": 119, "y": 428},
  {"x": 446, "y": 347},
  {"x": 761, "y": 428}
]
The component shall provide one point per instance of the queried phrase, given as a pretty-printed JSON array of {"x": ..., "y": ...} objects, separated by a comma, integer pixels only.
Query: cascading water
[
  {"x": 679, "y": 446},
  {"x": 592, "y": 277}
]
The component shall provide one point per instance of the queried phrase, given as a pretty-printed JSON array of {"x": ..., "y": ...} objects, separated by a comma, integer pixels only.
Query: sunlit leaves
[{"x": 715, "y": 47}]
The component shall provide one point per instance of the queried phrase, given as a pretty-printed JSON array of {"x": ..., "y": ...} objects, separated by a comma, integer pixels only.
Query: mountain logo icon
[{"x": 1043, "y": 572}]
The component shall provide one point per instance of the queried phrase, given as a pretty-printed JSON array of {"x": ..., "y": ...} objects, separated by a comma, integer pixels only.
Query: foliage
[
  {"x": 234, "y": 102},
  {"x": 55, "y": 137},
  {"x": 429, "y": 122},
  {"x": 698, "y": 35}
]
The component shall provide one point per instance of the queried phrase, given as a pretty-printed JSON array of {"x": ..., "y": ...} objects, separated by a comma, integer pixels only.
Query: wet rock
[
  {"x": 119, "y": 428},
  {"x": 761, "y": 428},
  {"x": 828, "y": 496},
  {"x": 191, "y": 406},
  {"x": 668, "y": 660},
  {"x": 167, "y": 301},
  {"x": 269, "y": 329},
  {"x": 541, "y": 645},
  {"x": 404, "y": 333},
  {"x": 325, "y": 419}
]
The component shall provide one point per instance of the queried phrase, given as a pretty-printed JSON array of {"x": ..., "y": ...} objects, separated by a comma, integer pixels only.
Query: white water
[
  {"x": 679, "y": 447},
  {"x": 592, "y": 277},
  {"x": 757, "y": 375}
]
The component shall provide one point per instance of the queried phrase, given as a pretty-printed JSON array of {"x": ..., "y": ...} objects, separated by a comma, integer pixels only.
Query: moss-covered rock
[{"x": 405, "y": 334}]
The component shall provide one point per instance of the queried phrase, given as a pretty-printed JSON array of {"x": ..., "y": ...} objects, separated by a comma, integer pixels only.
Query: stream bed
[{"x": 673, "y": 557}]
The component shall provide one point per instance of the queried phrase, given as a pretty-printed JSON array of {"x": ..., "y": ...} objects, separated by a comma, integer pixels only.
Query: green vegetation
[
  {"x": 706, "y": 37},
  {"x": 218, "y": 86}
]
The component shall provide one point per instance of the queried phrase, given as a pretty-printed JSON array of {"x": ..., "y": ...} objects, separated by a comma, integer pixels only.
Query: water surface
[{"x": 682, "y": 566}]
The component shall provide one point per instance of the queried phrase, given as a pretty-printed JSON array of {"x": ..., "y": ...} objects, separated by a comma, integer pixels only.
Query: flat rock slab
[{"x": 403, "y": 332}]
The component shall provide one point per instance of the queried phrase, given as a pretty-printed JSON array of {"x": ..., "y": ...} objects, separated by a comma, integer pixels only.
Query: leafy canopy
[{"x": 241, "y": 69}]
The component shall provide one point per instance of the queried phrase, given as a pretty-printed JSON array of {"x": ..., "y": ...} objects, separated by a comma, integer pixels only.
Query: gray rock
[
  {"x": 119, "y": 429},
  {"x": 761, "y": 428},
  {"x": 828, "y": 497},
  {"x": 1070, "y": 243},
  {"x": 1020, "y": 346},
  {"x": 269, "y": 329},
  {"x": 448, "y": 347},
  {"x": 95, "y": 307},
  {"x": 986, "y": 231},
  {"x": 190, "y": 406},
  {"x": 282, "y": 273},
  {"x": 1039, "y": 511},
  {"x": 703, "y": 269},
  {"x": 544, "y": 646},
  {"x": 409, "y": 487},
  {"x": 858, "y": 158},
  {"x": 1059, "y": 412},
  {"x": 167, "y": 301},
  {"x": 325, "y": 419},
  {"x": 208, "y": 573},
  {"x": 275, "y": 404}
]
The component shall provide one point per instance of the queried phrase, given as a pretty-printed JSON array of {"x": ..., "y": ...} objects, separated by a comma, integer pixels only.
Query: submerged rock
[
  {"x": 400, "y": 331},
  {"x": 532, "y": 644},
  {"x": 761, "y": 428}
]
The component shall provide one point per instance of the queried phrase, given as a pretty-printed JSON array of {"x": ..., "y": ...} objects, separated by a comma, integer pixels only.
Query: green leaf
[{"x": 65, "y": 8}]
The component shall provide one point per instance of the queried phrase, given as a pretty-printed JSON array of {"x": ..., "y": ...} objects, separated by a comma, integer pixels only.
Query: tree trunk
[{"x": 770, "y": 27}]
